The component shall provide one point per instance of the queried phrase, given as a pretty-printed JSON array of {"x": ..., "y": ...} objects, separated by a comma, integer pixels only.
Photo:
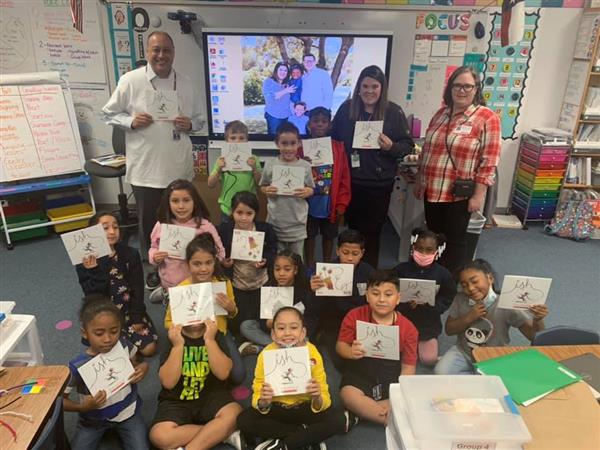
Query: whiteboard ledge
[{"x": 31, "y": 78}]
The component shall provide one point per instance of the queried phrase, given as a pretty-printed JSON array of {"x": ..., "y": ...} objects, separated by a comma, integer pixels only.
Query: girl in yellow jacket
[{"x": 295, "y": 421}]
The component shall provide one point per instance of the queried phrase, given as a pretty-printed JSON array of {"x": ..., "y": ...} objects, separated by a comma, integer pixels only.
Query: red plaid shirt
[{"x": 474, "y": 141}]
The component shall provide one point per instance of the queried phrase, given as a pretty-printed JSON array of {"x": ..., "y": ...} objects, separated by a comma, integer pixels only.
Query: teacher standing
[
  {"x": 462, "y": 148},
  {"x": 372, "y": 170},
  {"x": 158, "y": 151},
  {"x": 276, "y": 92}
]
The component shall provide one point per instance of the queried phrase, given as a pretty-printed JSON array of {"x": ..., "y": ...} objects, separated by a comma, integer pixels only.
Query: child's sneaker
[
  {"x": 235, "y": 440},
  {"x": 248, "y": 348},
  {"x": 351, "y": 420},
  {"x": 157, "y": 295},
  {"x": 152, "y": 281},
  {"x": 271, "y": 444}
]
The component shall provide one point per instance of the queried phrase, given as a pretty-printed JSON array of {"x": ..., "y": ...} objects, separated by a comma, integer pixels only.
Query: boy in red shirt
[{"x": 366, "y": 381}]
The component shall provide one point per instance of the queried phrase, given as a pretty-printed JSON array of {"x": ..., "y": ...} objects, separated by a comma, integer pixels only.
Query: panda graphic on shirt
[{"x": 479, "y": 332}]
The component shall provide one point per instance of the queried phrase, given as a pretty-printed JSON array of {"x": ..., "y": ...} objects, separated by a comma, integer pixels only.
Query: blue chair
[
  {"x": 53, "y": 434},
  {"x": 564, "y": 335}
]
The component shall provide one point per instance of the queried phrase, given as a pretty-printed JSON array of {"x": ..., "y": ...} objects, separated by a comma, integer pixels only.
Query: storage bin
[
  {"x": 476, "y": 223},
  {"x": 59, "y": 202},
  {"x": 23, "y": 220},
  {"x": 435, "y": 425},
  {"x": 70, "y": 212},
  {"x": 24, "y": 207}
]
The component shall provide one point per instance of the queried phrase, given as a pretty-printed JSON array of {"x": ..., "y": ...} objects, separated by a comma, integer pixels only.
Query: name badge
[
  {"x": 355, "y": 160},
  {"x": 463, "y": 129},
  {"x": 176, "y": 135}
]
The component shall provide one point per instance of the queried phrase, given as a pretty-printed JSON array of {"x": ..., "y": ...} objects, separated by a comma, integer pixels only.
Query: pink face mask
[{"x": 423, "y": 259}]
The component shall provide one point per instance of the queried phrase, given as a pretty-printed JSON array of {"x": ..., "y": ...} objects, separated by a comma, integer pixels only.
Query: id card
[
  {"x": 463, "y": 129},
  {"x": 176, "y": 135},
  {"x": 355, "y": 160}
]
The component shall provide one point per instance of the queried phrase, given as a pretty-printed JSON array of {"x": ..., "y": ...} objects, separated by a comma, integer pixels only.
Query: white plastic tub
[
  {"x": 476, "y": 223},
  {"x": 435, "y": 429}
]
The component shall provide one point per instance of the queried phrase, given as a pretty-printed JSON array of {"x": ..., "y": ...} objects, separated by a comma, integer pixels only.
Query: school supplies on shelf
[{"x": 528, "y": 375}]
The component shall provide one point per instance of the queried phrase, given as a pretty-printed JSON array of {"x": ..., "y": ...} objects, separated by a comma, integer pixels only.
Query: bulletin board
[{"x": 506, "y": 73}]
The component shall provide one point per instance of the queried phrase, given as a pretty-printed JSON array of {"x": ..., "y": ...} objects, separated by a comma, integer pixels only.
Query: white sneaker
[
  {"x": 235, "y": 440},
  {"x": 157, "y": 295}
]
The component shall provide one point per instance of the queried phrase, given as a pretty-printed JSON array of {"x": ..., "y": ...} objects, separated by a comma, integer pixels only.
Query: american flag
[
  {"x": 513, "y": 22},
  {"x": 77, "y": 14}
]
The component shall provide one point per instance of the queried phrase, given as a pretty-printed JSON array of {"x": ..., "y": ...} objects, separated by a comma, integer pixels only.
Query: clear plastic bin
[
  {"x": 476, "y": 223},
  {"x": 435, "y": 429}
]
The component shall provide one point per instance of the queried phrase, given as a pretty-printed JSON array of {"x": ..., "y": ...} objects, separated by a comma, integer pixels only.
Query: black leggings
[
  {"x": 298, "y": 426},
  {"x": 452, "y": 219}
]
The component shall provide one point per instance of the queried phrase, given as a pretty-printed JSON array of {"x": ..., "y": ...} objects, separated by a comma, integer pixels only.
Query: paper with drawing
[
  {"x": 521, "y": 292},
  {"x": 109, "y": 371},
  {"x": 420, "y": 291},
  {"x": 273, "y": 298},
  {"x": 85, "y": 242},
  {"x": 162, "y": 105},
  {"x": 318, "y": 150},
  {"x": 219, "y": 287},
  {"x": 287, "y": 179},
  {"x": 337, "y": 278},
  {"x": 174, "y": 239},
  {"x": 366, "y": 134},
  {"x": 287, "y": 370},
  {"x": 236, "y": 156},
  {"x": 191, "y": 304},
  {"x": 247, "y": 245},
  {"x": 379, "y": 341}
]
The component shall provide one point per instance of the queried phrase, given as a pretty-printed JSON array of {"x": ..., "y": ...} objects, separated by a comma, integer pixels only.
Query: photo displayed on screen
[{"x": 267, "y": 79}]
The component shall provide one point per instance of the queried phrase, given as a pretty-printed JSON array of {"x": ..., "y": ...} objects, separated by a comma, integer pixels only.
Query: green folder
[{"x": 528, "y": 374}]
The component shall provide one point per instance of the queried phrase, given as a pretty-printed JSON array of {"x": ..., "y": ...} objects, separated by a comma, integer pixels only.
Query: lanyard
[{"x": 174, "y": 80}]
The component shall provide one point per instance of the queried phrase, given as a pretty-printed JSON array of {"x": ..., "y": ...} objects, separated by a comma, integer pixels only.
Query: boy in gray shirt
[{"x": 287, "y": 189}]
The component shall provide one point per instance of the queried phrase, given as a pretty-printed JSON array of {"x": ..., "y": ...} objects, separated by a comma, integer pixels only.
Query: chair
[
  {"x": 53, "y": 434},
  {"x": 563, "y": 335},
  {"x": 127, "y": 218}
]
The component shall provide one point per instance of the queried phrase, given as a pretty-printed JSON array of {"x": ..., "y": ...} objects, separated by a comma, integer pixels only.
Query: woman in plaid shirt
[{"x": 462, "y": 142}]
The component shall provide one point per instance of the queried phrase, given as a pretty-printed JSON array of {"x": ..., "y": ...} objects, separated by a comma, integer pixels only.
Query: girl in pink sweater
[{"x": 181, "y": 205}]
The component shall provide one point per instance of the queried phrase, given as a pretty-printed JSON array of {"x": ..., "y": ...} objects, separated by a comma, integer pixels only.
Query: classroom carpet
[{"x": 37, "y": 275}]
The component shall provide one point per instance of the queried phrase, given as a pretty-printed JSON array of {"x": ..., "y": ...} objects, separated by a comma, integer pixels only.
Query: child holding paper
[
  {"x": 331, "y": 197},
  {"x": 291, "y": 421},
  {"x": 327, "y": 313},
  {"x": 287, "y": 213},
  {"x": 233, "y": 182},
  {"x": 101, "y": 327},
  {"x": 203, "y": 266},
  {"x": 195, "y": 409},
  {"x": 426, "y": 248},
  {"x": 181, "y": 205},
  {"x": 288, "y": 271},
  {"x": 247, "y": 276},
  {"x": 121, "y": 277},
  {"x": 475, "y": 318},
  {"x": 366, "y": 381}
]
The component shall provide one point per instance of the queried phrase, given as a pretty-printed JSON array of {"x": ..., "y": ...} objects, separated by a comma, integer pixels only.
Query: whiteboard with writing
[
  {"x": 38, "y": 35},
  {"x": 39, "y": 135}
]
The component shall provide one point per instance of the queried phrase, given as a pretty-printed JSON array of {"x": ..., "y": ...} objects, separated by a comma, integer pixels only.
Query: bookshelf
[{"x": 580, "y": 114}]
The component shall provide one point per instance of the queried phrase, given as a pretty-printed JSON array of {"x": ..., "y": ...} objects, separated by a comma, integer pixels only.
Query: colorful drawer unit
[{"x": 541, "y": 168}]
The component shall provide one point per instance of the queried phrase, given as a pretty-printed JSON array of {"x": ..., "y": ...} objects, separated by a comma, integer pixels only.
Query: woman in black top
[{"x": 372, "y": 170}]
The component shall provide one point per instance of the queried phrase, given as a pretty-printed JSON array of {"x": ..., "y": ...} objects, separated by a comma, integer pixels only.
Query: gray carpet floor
[{"x": 39, "y": 277}]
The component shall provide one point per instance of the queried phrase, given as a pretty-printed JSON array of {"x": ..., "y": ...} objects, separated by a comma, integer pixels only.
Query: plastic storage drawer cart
[{"x": 541, "y": 167}]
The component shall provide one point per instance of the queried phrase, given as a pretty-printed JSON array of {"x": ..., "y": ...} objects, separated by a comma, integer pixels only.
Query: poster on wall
[
  {"x": 506, "y": 71},
  {"x": 121, "y": 37}
]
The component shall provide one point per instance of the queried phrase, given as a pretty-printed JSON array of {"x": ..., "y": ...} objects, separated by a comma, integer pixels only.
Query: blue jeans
[
  {"x": 454, "y": 362},
  {"x": 238, "y": 371},
  {"x": 252, "y": 331},
  {"x": 132, "y": 432},
  {"x": 273, "y": 123}
]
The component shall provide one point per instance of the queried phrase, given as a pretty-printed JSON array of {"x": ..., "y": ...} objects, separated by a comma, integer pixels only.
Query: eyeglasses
[{"x": 463, "y": 87}]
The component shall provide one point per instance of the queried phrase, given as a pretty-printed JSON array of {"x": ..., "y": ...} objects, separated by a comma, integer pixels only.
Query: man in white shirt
[
  {"x": 158, "y": 151},
  {"x": 317, "y": 88}
]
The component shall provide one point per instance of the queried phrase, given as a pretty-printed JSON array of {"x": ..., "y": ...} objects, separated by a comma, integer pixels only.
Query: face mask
[
  {"x": 423, "y": 259},
  {"x": 283, "y": 345},
  {"x": 489, "y": 299}
]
